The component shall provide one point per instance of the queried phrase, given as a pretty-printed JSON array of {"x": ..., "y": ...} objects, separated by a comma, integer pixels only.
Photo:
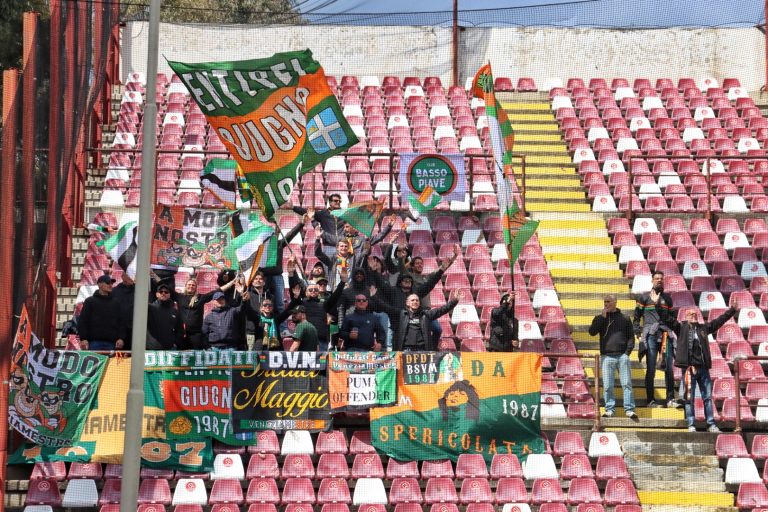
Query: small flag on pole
[
  {"x": 362, "y": 215},
  {"x": 425, "y": 202},
  {"x": 254, "y": 245},
  {"x": 122, "y": 247},
  {"x": 220, "y": 178}
]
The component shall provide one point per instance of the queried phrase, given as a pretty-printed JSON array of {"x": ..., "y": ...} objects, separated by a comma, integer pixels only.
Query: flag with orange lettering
[
  {"x": 277, "y": 117},
  {"x": 451, "y": 403}
]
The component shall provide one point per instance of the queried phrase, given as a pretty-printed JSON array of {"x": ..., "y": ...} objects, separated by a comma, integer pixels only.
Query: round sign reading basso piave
[{"x": 435, "y": 170}]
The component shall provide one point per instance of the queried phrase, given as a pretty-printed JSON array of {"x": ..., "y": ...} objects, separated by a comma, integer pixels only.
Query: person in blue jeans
[
  {"x": 650, "y": 329},
  {"x": 616, "y": 344},
  {"x": 693, "y": 356}
]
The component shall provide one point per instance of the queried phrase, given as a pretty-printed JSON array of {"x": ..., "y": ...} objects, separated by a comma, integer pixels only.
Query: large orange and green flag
[
  {"x": 516, "y": 228},
  {"x": 276, "y": 116},
  {"x": 451, "y": 403}
]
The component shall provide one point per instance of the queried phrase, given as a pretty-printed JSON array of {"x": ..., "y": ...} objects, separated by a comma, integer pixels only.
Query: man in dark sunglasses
[{"x": 361, "y": 331}]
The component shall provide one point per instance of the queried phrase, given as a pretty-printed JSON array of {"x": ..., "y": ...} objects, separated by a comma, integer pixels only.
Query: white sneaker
[
  {"x": 713, "y": 429},
  {"x": 674, "y": 404},
  {"x": 691, "y": 429}
]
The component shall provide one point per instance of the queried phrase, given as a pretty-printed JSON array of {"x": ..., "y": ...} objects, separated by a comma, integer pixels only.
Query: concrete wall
[{"x": 425, "y": 51}]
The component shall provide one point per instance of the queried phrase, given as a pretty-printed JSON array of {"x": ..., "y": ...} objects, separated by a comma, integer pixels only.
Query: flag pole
[{"x": 134, "y": 409}]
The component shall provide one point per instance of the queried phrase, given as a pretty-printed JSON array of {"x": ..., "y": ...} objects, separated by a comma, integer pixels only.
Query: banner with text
[
  {"x": 360, "y": 380},
  {"x": 277, "y": 117},
  {"x": 104, "y": 429},
  {"x": 51, "y": 391},
  {"x": 191, "y": 237},
  {"x": 454, "y": 403},
  {"x": 292, "y": 396},
  {"x": 444, "y": 174}
]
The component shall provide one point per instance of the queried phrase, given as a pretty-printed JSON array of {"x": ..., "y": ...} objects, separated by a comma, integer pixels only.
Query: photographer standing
[
  {"x": 653, "y": 338},
  {"x": 504, "y": 326}
]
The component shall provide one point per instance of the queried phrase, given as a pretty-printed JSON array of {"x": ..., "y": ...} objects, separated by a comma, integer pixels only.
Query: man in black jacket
[
  {"x": 652, "y": 332},
  {"x": 100, "y": 325},
  {"x": 616, "y": 344},
  {"x": 504, "y": 326},
  {"x": 693, "y": 356},
  {"x": 412, "y": 333},
  {"x": 220, "y": 325},
  {"x": 318, "y": 309},
  {"x": 165, "y": 330},
  {"x": 361, "y": 330}
]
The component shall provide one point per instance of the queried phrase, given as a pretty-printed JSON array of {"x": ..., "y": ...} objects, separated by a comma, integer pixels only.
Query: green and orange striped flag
[
  {"x": 276, "y": 116},
  {"x": 516, "y": 228}
]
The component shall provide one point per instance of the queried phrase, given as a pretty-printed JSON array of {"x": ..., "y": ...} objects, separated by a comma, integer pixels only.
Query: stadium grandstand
[{"x": 636, "y": 160}]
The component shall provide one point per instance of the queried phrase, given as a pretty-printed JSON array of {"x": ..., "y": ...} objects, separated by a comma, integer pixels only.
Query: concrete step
[
  {"x": 654, "y": 483},
  {"x": 687, "y": 508},
  {"x": 551, "y": 250},
  {"x": 693, "y": 495}
]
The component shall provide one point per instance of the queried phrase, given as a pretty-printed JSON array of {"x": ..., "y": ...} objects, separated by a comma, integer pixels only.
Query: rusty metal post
[
  {"x": 8, "y": 236},
  {"x": 52, "y": 231},
  {"x": 708, "y": 213},
  {"x": 471, "y": 180},
  {"x": 598, "y": 426},
  {"x": 455, "y": 42},
  {"x": 631, "y": 190},
  {"x": 26, "y": 177},
  {"x": 737, "y": 388}
]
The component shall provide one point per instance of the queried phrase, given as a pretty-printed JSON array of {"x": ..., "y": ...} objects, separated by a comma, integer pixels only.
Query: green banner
[
  {"x": 196, "y": 398},
  {"x": 276, "y": 116},
  {"x": 51, "y": 391},
  {"x": 104, "y": 431},
  {"x": 454, "y": 403}
]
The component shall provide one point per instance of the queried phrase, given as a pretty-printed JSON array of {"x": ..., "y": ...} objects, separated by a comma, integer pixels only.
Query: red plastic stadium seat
[
  {"x": 619, "y": 491},
  {"x": 752, "y": 495},
  {"x": 333, "y": 490},
  {"x": 547, "y": 490},
  {"x": 526, "y": 84},
  {"x": 155, "y": 490},
  {"x": 568, "y": 443},
  {"x": 583, "y": 490},
  {"x": 332, "y": 465},
  {"x": 730, "y": 445},
  {"x": 475, "y": 490},
  {"x": 263, "y": 466},
  {"x": 361, "y": 442},
  {"x": 611, "y": 466},
  {"x": 254, "y": 507},
  {"x": 267, "y": 440},
  {"x": 91, "y": 470},
  {"x": 576, "y": 466},
  {"x": 262, "y": 490},
  {"x": 760, "y": 447},
  {"x": 226, "y": 491},
  {"x": 436, "y": 469},
  {"x": 553, "y": 507},
  {"x": 44, "y": 491},
  {"x": 56, "y": 471},
  {"x": 440, "y": 490},
  {"x": 405, "y": 490},
  {"x": 505, "y": 466},
  {"x": 110, "y": 493},
  {"x": 511, "y": 490},
  {"x": 298, "y": 490},
  {"x": 397, "y": 469},
  {"x": 471, "y": 465},
  {"x": 297, "y": 466},
  {"x": 367, "y": 465},
  {"x": 400, "y": 507}
]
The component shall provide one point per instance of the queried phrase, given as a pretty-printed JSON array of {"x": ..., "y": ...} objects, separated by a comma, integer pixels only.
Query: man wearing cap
[
  {"x": 320, "y": 310},
  {"x": 100, "y": 324},
  {"x": 304, "y": 335},
  {"x": 361, "y": 330},
  {"x": 220, "y": 325},
  {"x": 165, "y": 330}
]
